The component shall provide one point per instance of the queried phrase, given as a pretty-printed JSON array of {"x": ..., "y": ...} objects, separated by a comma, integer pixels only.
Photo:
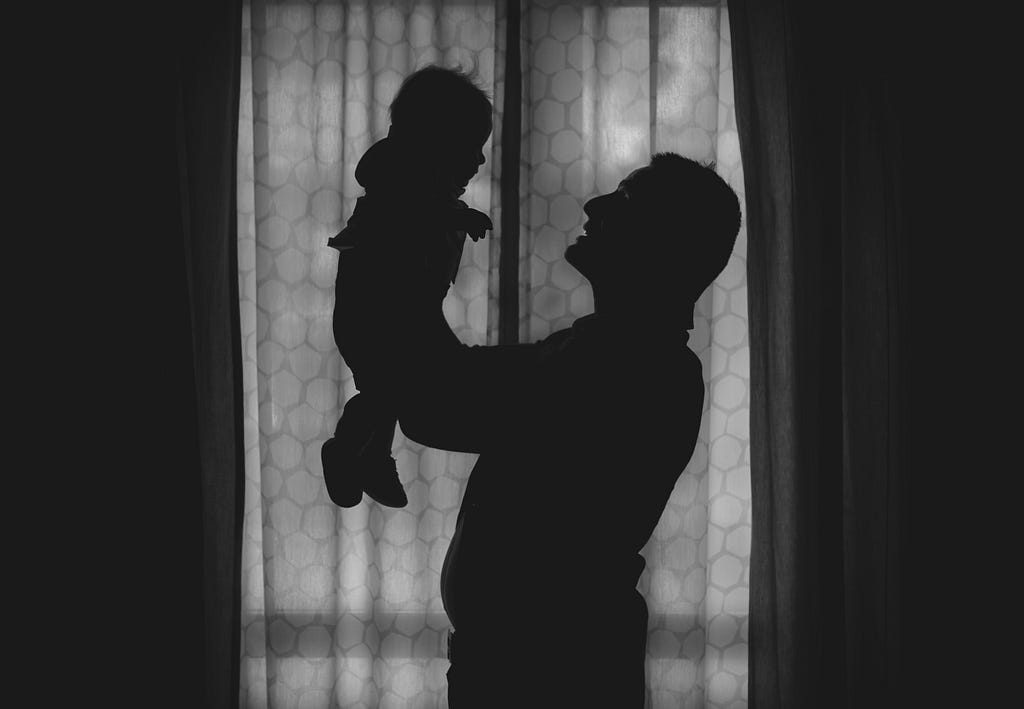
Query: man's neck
[{"x": 613, "y": 308}]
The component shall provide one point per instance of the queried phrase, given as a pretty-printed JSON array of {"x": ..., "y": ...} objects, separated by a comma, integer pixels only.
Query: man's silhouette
[{"x": 582, "y": 437}]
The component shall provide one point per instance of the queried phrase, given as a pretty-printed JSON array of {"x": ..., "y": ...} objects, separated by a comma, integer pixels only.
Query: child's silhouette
[{"x": 400, "y": 251}]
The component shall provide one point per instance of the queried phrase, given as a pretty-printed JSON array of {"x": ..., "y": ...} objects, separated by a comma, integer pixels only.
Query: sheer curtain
[
  {"x": 606, "y": 85},
  {"x": 341, "y": 607}
]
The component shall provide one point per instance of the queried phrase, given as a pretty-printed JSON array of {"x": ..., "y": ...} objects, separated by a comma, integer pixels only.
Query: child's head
[{"x": 442, "y": 116}]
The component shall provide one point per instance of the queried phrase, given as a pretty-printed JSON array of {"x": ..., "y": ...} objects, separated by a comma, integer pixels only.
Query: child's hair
[{"x": 430, "y": 101}]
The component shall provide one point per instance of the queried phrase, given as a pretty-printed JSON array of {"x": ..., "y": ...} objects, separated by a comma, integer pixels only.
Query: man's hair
[
  {"x": 691, "y": 197},
  {"x": 430, "y": 99}
]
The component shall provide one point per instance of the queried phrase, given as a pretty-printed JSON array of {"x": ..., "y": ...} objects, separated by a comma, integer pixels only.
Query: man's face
[{"x": 610, "y": 218}]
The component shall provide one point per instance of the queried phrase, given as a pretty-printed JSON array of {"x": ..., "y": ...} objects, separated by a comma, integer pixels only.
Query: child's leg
[
  {"x": 352, "y": 438},
  {"x": 358, "y": 458},
  {"x": 360, "y": 451},
  {"x": 381, "y": 480}
]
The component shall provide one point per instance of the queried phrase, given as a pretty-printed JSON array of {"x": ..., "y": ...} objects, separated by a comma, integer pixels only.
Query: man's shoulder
[{"x": 559, "y": 340}]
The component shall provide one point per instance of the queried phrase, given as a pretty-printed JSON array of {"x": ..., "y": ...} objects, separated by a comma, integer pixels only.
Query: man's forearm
[
  {"x": 466, "y": 404},
  {"x": 457, "y": 397}
]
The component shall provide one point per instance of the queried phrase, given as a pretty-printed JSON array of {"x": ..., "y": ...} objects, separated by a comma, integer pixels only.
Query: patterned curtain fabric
[{"x": 341, "y": 607}]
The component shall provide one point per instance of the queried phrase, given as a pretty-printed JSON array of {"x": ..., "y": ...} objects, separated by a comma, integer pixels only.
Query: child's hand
[{"x": 473, "y": 222}]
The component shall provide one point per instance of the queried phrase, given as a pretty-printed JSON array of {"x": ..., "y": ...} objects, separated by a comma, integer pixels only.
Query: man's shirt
[{"x": 582, "y": 437}]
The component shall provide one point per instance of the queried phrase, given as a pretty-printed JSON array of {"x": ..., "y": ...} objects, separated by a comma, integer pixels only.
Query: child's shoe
[
  {"x": 342, "y": 455},
  {"x": 343, "y": 485},
  {"x": 380, "y": 481}
]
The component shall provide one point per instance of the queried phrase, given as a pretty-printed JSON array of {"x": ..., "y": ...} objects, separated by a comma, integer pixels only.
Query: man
[{"x": 582, "y": 437}]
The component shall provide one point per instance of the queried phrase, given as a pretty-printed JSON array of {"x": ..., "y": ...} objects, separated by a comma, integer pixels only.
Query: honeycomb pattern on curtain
[{"x": 341, "y": 607}]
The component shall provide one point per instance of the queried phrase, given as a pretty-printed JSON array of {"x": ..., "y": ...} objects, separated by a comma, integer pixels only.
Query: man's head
[
  {"x": 670, "y": 227},
  {"x": 441, "y": 116}
]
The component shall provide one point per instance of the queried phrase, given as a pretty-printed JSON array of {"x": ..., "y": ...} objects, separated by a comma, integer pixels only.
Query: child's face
[{"x": 462, "y": 157}]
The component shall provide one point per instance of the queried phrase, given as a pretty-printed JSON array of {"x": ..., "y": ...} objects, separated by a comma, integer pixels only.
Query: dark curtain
[
  {"x": 204, "y": 92},
  {"x": 820, "y": 140}
]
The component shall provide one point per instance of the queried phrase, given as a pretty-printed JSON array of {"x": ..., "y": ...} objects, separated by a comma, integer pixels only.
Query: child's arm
[{"x": 471, "y": 221}]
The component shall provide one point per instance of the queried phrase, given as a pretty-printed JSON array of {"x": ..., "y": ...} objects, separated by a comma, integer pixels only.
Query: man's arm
[
  {"x": 447, "y": 395},
  {"x": 461, "y": 398}
]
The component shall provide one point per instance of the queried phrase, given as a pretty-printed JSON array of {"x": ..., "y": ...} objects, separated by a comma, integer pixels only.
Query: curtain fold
[
  {"x": 827, "y": 272},
  {"x": 207, "y": 90}
]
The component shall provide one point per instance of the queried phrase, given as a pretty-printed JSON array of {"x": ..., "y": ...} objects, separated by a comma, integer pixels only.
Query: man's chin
[
  {"x": 572, "y": 255},
  {"x": 575, "y": 256}
]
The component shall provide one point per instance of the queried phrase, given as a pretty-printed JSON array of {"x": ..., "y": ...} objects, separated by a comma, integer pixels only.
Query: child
[{"x": 400, "y": 251}]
